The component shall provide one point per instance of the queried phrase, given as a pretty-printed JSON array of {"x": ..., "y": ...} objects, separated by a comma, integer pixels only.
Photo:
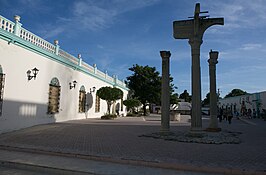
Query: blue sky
[{"x": 115, "y": 34}]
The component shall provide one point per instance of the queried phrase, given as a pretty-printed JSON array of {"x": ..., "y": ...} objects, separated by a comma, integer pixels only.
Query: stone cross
[
  {"x": 213, "y": 95},
  {"x": 165, "y": 98},
  {"x": 193, "y": 30}
]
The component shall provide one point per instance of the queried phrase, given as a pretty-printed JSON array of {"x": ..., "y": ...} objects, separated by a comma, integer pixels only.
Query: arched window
[
  {"x": 97, "y": 104},
  {"x": 82, "y": 99},
  {"x": 2, "y": 84},
  {"x": 54, "y": 96}
]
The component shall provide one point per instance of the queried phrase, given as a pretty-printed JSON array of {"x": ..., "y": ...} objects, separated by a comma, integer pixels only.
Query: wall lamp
[
  {"x": 74, "y": 84},
  {"x": 92, "y": 89},
  {"x": 34, "y": 71}
]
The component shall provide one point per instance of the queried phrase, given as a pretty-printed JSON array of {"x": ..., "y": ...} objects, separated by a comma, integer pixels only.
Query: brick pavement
[{"x": 119, "y": 140}]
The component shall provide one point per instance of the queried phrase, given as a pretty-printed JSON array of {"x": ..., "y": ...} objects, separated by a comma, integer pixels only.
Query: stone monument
[
  {"x": 213, "y": 95},
  {"x": 193, "y": 30},
  {"x": 165, "y": 98}
]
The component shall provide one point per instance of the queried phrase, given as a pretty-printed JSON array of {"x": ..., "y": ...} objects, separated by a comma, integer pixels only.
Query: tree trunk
[
  {"x": 109, "y": 107},
  {"x": 144, "y": 109}
]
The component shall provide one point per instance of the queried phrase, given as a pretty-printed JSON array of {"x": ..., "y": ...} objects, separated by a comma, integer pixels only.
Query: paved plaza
[{"x": 118, "y": 141}]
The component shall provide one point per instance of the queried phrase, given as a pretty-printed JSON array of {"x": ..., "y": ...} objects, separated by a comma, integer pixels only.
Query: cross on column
[{"x": 193, "y": 30}]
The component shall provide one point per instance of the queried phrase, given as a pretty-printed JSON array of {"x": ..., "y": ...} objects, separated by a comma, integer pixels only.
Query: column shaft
[
  {"x": 196, "y": 118},
  {"x": 165, "y": 98},
  {"x": 213, "y": 95}
]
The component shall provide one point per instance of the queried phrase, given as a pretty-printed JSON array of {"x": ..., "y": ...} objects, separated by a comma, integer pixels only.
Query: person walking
[{"x": 229, "y": 116}]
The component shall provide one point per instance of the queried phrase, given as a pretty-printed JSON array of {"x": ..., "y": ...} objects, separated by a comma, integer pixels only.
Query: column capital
[
  {"x": 165, "y": 54},
  {"x": 193, "y": 41},
  {"x": 213, "y": 57}
]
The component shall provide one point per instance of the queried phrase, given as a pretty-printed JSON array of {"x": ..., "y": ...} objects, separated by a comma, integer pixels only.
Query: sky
[{"x": 116, "y": 34}]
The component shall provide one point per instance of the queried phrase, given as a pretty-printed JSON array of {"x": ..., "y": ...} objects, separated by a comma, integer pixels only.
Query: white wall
[
  {"x": 250, "y": 101},
  {"x": 25, "y": 102}
]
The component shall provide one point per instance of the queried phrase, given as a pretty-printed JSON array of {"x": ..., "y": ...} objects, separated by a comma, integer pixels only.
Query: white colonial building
[
  {"x": 256, "y": 102},
  {"x": 41, "y": 83}
]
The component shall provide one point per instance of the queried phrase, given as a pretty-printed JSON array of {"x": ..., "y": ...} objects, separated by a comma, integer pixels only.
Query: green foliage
[
  {"x": 185, "y": 95},
  {"x": 131, "y": 104},
  {"x": 146, "y": 84},
  {"x": 110, "y": 95},
  {"x": 108, "y": 117},
  {"x": 174, "y": 98},
  {"x": 206, "y": 100},
  {"x": 236, "y": 92}
]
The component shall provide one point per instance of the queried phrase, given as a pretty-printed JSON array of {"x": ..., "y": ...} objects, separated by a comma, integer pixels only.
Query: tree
[
  {"x": 146, "y": 84},
  {"x": 173, "y": 96},
  {"x": 206, "y": 100},
  {"x": 185, "y": 95},
  {"x": 131, "y": 104},
  {"x": 236, "y": 92},
  {"x": 110, "y": 95}
]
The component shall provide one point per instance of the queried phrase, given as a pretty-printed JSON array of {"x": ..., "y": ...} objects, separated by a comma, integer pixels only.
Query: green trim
[{"x": 12, "y": 38}]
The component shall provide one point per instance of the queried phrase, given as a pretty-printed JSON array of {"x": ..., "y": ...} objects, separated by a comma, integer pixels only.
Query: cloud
[
  {"x": 53, "y": 32},
  {"x": 248, "y": 78},
  {"x": 251, "y": 46},
  {"x": 97, "y": 15}
]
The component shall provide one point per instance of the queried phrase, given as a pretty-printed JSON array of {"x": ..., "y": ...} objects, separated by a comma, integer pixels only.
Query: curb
[
  {"x": 40, "y": 168},
  {"x": 173, "y": 166}
]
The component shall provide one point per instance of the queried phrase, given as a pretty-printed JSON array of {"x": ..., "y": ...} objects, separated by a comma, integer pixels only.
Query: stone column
[
  {"x": 196, "y": 118},
  {"x": 17, "y": 26},
  {"x": 165, "y": 98},
  {"x": 213, "y": 95}
]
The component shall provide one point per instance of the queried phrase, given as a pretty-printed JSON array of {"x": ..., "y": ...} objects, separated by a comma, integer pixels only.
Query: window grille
[
  {"x": 2, "y": 84},
  {"x": 54, "y": 96},
  {"x": 82, "y": 99},
  {"x": 97, "y": 104}
]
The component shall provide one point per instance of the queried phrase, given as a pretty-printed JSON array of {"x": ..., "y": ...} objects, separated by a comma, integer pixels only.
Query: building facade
[
  {"x": 256, "y": 103},
  {"x": 41, "y": 83}
]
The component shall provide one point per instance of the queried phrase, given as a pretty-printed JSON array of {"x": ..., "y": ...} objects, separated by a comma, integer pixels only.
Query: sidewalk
[{"x": 118, "y": 141}]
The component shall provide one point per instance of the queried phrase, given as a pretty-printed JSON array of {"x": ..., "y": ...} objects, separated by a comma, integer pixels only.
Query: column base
[
  {"x": 196, "y": 129},
  {"x": 165, "y": 131},
  {"x": 213, "y": 129}
]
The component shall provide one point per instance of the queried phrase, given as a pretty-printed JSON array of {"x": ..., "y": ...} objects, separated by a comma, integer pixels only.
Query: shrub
[{"x": 108, "y": 117}]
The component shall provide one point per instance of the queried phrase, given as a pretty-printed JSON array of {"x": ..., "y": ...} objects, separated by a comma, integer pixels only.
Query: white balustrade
[
  {"x": 101, "y": 74},
  {"x": 67, "y": 56},
  {"x": 36, "y": 40},
  {"x": 88, "y": 67},
  {"x": 6, "y": 24},
  {"x": 109, "y": 78}
]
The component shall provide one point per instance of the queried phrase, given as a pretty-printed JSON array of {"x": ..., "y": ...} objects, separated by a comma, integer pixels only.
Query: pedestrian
[
  {"x": 225, "y": 114},
  {"x": 220, "y": 116},
  {"x": 254, "y": 113},
  {"x": 229, "y": 116},
  {"x": 249, "y": 113}
]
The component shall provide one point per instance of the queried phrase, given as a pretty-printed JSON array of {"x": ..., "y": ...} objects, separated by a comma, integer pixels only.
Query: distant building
[
  {"x": 182, "y": 107},
  {"x": 41, "y": 83},
  {"x": 256, "y": 102}
]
